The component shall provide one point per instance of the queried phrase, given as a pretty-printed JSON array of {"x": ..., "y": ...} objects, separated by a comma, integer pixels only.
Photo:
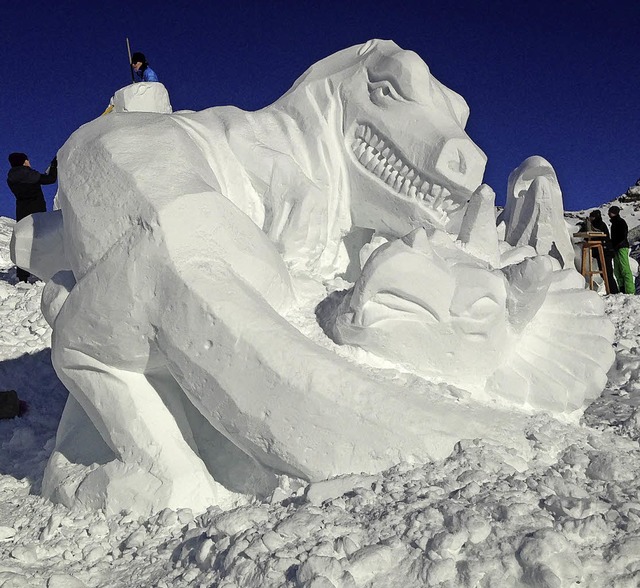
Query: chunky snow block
[
  {"x": 533, "y": 214},
  {"x": 142, "y": 97}
]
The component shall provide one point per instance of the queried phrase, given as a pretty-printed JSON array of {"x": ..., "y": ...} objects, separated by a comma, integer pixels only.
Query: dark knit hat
[
  {"x": 137, "y": 56},
  {"x": 16, "y": 159},
  {"x": 615, "y": 209}
]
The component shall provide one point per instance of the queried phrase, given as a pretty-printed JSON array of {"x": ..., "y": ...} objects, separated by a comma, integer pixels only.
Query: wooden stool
[{"x": 593, "y": 240}]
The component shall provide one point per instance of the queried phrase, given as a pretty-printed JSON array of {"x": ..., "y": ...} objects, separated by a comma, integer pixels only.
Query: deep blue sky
[{"x": 557, "y": 79}]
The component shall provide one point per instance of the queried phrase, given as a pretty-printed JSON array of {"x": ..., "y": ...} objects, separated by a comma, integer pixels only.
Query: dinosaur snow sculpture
[{"x": 185, "y": 237}]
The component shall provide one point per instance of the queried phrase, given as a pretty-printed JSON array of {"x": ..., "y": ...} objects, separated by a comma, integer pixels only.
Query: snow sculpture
[
  {"x": 37, "y": 243},
  {"x": 518, "y": 332},
  {"x": 186, "y": 238},
  {"x": 476, "y": 313},
  {"x": 534, "y": 213}
]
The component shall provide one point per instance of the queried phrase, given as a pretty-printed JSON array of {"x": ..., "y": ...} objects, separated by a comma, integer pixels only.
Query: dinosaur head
[
  {"x": 392, "y": 133},
  {"x": 412, "y": 162}
]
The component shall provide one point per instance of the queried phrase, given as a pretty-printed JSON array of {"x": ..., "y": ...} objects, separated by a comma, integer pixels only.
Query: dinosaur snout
[{"x": 462, "y": 162}]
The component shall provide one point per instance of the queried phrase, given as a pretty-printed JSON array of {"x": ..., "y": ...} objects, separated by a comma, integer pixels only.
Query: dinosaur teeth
[
  {"x": 368, "y": 154},
  {"x": 373, "y": 163},
  {"x": 379, "y": 168},
  {"x": 377, "y": 156}
]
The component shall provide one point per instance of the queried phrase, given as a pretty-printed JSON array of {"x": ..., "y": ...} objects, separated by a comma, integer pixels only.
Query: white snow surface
[
  {"x": 568, "y": 517},
  {"x": 142, "y": 97}
]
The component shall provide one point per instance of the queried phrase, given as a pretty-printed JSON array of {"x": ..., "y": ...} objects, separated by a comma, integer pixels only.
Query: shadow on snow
[{"x": 27, "y": 441}]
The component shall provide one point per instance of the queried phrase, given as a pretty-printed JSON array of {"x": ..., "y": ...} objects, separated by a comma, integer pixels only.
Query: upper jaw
[{"x": 384, "y": 161}]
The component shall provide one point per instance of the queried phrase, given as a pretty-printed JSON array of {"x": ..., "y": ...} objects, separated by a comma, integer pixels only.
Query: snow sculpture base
[{"x": 169, "y": 302}]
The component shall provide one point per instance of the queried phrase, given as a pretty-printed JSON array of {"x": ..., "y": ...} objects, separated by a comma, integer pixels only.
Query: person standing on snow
[
  {"x": 141, "y": 69},
  {"x": 619, "y": 239},
  {"x": 26, "y": 184}
]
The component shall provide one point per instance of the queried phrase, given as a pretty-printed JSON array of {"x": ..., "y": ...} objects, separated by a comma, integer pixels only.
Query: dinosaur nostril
[
  {"x": 461, "y": 162},
  {"x": 458, "y": 163}
]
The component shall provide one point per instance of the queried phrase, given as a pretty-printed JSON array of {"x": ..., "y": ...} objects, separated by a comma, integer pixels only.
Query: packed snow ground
[{"x": 570, "y": 518}]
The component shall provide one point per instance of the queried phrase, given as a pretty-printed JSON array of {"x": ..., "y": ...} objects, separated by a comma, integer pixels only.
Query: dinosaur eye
[{"x": 382, "y": 91}]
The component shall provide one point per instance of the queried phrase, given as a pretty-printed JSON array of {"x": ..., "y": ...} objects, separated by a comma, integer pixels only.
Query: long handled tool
[{"x": 130, "y": 64}]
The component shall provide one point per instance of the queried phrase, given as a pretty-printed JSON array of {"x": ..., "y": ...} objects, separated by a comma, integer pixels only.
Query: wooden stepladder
[{"x": 593, "y": 240}]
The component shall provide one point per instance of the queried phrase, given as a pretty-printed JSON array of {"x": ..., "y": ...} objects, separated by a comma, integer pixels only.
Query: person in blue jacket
[{"x": 141, "y": 69}]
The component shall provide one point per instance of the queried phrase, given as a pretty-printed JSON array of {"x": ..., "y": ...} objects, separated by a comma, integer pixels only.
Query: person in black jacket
[
  {"x": 599, "y": 225},
  {"x": 621, "y": 268},
  {"x": 26, "y": 184}
]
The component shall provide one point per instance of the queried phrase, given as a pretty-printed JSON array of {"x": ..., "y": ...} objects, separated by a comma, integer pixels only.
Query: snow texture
[
  {"x": 528, "y": 332},
  {"x": 470, "y": 520},
  {"x": 142, "y": 97},
  {"x": 533, "y": 214}
]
